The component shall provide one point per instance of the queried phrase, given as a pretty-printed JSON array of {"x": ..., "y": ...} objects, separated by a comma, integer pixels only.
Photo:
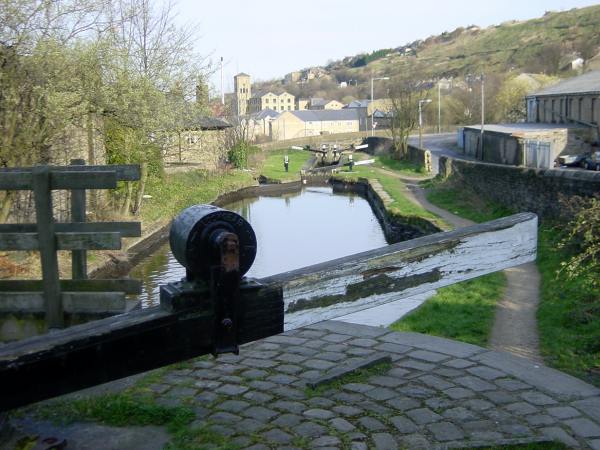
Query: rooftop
[
  {"x": 583, "y": 84},
  {"x": 320, "y": 115},
  {"x": 512, "y": 128},
  {"x": 265, "y": 113},
  {"x": 207, "y": 123}
]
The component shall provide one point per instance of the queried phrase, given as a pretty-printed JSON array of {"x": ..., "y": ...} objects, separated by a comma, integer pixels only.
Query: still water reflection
[{"x": 292, "y": 231}]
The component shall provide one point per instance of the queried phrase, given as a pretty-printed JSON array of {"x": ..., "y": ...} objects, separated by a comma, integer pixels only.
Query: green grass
[
  {"x": 568, "y": 315},
  {"x": 395, "y": 189},
  {"x": 464, "y": 203},
  {"x": 400, "y": 166},
  {"x": 463, "y": 311},
  {"x": 273, "y": 164},
  {"x": 176, "y": 192}
]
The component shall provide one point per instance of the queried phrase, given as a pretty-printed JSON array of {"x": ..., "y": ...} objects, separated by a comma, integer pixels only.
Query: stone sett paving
[{"x": 438, "y": 394}]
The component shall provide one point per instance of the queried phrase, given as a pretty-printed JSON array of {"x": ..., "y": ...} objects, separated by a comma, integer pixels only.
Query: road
[{"x": 443, "y": 144}]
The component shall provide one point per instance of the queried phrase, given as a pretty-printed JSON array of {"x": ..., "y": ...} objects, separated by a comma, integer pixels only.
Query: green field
[{"x": 273, "y": 168}]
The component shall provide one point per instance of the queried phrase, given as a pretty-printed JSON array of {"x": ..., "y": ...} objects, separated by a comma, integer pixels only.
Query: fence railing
[{"x": 52, "y": 295}]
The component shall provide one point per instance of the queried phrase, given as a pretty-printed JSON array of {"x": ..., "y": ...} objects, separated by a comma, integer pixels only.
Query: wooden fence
[{"x": 52, "y": 295}]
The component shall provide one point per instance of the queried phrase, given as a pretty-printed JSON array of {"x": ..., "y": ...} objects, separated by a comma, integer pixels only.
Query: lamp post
[
  {"x": 372, "y": 80},
  {"x": 426, "y": 100}
]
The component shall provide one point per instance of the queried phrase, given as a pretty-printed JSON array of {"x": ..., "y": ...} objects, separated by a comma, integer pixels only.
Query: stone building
[
  {"x": 277, "y": 101},
  {"x": 242, "y": 94},
  {"x": 295, "y": 124},
  {"x": 202, "y": 144},
  {"x": 576, "y": 100},
  {"x": 523, "y": 144}
]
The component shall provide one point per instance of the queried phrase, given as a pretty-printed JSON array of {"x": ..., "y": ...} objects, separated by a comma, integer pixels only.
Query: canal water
[{"x": 292, "y": 231}]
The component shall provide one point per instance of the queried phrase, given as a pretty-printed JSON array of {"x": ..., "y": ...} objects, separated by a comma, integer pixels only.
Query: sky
[{"x": 269, "y": 38}]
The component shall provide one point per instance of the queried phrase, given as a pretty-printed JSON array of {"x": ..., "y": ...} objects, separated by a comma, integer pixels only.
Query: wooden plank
[
  {"x": 103, "y": 350},
  {"x": 70, "y": 179},
  {"x": 126, "y": 229},
  {"x": 128, "y": 286},
  {"x": 47, "y": 246},
  {"x": 19, "y": 241},
  {"x": 64, "y": 241},
  {"x": 125, "y": 172},
  {"x": 61, "y": 179},
  {"x": 376, "y": 277},
  {"x": 78, "y": 257},
  {"x": 89, "y": 241},
  {"x": 21, "y": 180},
  {"x": 72, "y": 302}
]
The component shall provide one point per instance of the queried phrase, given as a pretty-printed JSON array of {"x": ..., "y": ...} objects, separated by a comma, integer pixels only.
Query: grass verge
[
  {"x": 273, "y": 168},
  {"x": 568, "y": 314},
  {"x": 568, "y": 322},
  {"x": 463, "y": 311},
  {"x": 178, "y": 191}
]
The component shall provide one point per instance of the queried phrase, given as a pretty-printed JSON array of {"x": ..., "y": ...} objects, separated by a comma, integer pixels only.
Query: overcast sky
[{"x": 269, "y": 38}]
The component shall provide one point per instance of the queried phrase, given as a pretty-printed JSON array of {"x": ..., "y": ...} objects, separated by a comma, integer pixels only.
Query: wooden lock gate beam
[{"x": 84, "y": 355}]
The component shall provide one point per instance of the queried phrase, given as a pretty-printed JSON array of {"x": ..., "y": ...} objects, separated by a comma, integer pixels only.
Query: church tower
[{"x": 243, "y": 92}]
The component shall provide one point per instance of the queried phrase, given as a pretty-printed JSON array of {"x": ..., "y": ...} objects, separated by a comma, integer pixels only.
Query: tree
[{"x": 405, "y": 93}]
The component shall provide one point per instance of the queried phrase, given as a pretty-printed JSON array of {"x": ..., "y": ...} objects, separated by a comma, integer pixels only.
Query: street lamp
[
  {"x": 372, "y": 80},
  {"x": 426, "y": 100}
]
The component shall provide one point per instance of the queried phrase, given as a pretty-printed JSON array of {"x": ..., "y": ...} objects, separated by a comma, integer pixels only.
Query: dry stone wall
[{"x": 521, "y": 188}]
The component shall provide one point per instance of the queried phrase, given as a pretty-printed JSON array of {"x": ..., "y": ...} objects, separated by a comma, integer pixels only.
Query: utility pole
[
  {"x": 482, "y": 110},
  {"x": 439, "y": 107},
  {"x": 372, "y": 113},
  {"x": 222, "y": 91}
]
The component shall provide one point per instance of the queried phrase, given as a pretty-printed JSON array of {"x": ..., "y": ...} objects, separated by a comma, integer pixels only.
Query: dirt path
[{"x": 515, "y": 323}]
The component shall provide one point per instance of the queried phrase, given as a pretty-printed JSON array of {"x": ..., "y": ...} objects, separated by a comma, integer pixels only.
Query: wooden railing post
[
  {"x": 47, "y": 246},
  {"x": 78, "y": 257}
]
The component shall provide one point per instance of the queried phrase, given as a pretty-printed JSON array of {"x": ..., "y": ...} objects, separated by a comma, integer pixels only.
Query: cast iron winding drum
[{"x": 193, "y": 235}]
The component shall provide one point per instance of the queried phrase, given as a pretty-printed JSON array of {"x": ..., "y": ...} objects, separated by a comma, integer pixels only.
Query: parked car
[
  {"x": 569, "y": 160},
  {"x": 592, "y": 161}
]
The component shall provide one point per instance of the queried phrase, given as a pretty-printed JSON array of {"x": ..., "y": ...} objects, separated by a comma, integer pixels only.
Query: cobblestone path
[{"x": 436, "y": 394}]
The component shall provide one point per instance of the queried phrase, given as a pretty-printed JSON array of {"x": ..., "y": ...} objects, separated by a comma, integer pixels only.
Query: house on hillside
[
  {"x": 200, "y": 144},
  {"x": 296, "y": 124},
  {"x": 366, "y": 109}
]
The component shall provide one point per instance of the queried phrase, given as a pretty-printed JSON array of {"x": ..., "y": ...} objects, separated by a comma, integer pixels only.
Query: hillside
[{"x": 543, "y": 45}]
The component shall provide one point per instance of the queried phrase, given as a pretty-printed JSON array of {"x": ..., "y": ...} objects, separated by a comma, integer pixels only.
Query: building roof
[
  {"x": 588, "y": 83},
  {"x": 207, "y": 123},
  {"x": 317, "y": 101},
  {"x": 277, "y": 92},
  {"x": 322, "y": 115},
  {"x": 526, "y": 127},
  {"x": 265, "y": 113},
  {"x": 242, "y": 74},
  {"x": 358, "y": 104}
]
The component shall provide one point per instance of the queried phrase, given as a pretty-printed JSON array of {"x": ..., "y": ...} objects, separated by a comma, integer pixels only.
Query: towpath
[{"x": 515, "y": 323}]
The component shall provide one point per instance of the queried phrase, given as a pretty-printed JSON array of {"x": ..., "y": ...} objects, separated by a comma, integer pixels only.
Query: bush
[
  {"x": 239, "y": 153},
  {"x": 581, "y": 239}
]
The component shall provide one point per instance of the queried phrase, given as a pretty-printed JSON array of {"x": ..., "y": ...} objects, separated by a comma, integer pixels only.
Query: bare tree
[{"x": 405, "y": 92}]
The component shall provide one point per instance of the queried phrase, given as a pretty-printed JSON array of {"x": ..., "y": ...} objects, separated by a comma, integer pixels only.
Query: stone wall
[
  {"x": 396, "y": 228},
  {"x": 203, "y": 149},
  {"x": 520, "y": 188}
]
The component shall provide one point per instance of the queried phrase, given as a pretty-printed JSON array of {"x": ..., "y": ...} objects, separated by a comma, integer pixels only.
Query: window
[
  {"x": 289, "y": 108},
  {"x": 267, "y": 100},
  {"x": 580, "y": 109},
  {"x": 289, "y": 100}
]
